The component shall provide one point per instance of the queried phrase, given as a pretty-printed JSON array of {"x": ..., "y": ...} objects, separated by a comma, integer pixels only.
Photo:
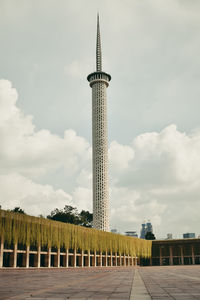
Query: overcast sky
[{"x": 151, "y": 49}]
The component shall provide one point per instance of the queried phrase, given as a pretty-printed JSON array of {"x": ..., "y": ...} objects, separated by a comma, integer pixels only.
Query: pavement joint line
[
  {"x": 186, "y": 276},
  {"x": 138, "y": 290}
]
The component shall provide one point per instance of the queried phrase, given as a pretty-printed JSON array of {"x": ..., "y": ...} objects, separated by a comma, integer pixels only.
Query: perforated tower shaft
[{"x": 99, "y": 81}]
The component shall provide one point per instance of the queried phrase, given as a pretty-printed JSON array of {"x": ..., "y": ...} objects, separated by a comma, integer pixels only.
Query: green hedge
[{"x": 28, "y": 230}]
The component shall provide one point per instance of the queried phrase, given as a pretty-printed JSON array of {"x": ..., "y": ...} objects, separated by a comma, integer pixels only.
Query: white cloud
[
  {"x": 26, "y": 154},
  {"x": 34, "y": 152},
  {"x": 35, "y": 198},
  {"x": 161, "y": 183},
  {"x": 120, "y": 156},
  {"x": 156, "y": 177}
]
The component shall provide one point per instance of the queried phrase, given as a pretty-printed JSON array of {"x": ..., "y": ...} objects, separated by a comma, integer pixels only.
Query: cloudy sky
[{"x": 151, "y": 49}]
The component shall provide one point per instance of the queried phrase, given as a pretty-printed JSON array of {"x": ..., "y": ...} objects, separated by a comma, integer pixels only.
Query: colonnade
[
  {"x": 18, "y": 256},
  {"x": 176, "y": 255}
]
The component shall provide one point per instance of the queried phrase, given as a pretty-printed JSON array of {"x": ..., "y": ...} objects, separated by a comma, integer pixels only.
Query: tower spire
[{"x": 98, "y": 48}]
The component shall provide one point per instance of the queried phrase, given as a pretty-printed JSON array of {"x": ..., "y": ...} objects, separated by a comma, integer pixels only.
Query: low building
[
  {"x": 114, "y": 231},
  {"x": 169, "y": 236},
  {"x": 175, "y": 252},
  {"x": 131, "y": 233},
  {"x": 189, "y": 235}
]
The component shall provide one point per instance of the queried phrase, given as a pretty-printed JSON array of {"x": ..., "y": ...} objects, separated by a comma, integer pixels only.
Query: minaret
[{"x": 99, "y": 81}]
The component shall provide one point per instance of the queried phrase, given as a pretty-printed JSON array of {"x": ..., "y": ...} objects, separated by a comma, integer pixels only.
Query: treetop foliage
[{"x": 70, "y": 214}]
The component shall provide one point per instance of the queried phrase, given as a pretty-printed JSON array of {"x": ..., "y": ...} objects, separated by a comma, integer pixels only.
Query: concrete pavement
[{"x": 181, "y": 282}]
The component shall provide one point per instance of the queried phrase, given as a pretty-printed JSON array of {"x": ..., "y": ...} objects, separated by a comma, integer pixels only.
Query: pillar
[
  {"x": 124, "y": 260},
  {"x": 101, "y": 259},
  {"x": 74, "y": 260},
  {"x": 48, "y": 258},
  {"x": 95, "y": 258},
  {"x": 58, "y": 258},
  {"x": 88, "y": 258},
  {"x": 111, "y": 259},
  {"x": 116, "y": 259},
  {"x": 151, "y": 261},
  {"x": 1, "y": 253},
  {"x": 67, "y": 258},
  {"x": 14, "y": 254},
  {"x": 170, "y": 256},
  {"x": 161, "y": 262},
  {"x": 128, "y": 260},
  {"x": 82, "y": 258},
  {"x": 193, "y": 257},
  {"x": 27, "y": 256},
  {"x": 38, "y": 256},
  {"x": 120, "y": 260},
  {"x": 182, "y": 257},
  {"x": 106, "y": 258}
]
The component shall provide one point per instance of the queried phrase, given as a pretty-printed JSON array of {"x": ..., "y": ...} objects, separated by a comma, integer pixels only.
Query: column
[
  {"x": 182, "y": 257},
  {"x": 132, "y": 261},
  {"x": 106, "y": 258},
  {"x": 38, "y": 256},
  {"x": 74, "y": 258},
  {"x": 161, "y": 262},
  {"x": 170, "y": 256},
  {"x": 49, "y": 257},
  {"x": 128, "y": 261},
  {"x": 116, "y": 259},
  {"x": 15, "y": 256},
  {"x": 27, "y": 256},
  {"x": 88, "y": 258},
  {"x": 136, "y": 261},
  {"x": 101, "y": 259},
  {"x": 58, "y": 258},
  {"x": 1, "y": 253},
  {"x": 120, "y": 260},
  {"x": 151, "y": 261},
  {"x": 111, "y": 260},
  {"x": 193, "y": 257},
  {"x": 124, "y": 260},
  {"x": 67, "y": 258},
  {"x": 95, "y": 258},
  {"x": 82, "y": 258}
]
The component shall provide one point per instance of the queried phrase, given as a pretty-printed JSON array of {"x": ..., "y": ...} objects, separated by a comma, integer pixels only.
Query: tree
[
  {"x": 86, "y": 218},
  {"x": 19, "y": 210},
  {"x": 70, "y": 214},
  {"x": 150, "y": 236}
]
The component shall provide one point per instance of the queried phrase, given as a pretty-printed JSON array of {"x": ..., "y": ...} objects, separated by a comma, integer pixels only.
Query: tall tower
[{"x": 99, "y": 81}]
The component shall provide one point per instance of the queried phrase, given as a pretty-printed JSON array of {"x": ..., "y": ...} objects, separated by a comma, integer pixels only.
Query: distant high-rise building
[
  {"x": 131, "y": 233},
  {"x": 169, "y": 236},
  {"x": 149, "y": 227},
  {"x": 189, "y": 235},
  {"x": 99, "y": 81},
  {"x": 114, "y": 230},
  {"x": 146, "y": 227},
  {"x": 143, "y": 231}
]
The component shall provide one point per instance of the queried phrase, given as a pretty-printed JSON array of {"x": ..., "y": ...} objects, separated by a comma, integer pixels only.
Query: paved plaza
[{"x": 182, "y": 282}]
